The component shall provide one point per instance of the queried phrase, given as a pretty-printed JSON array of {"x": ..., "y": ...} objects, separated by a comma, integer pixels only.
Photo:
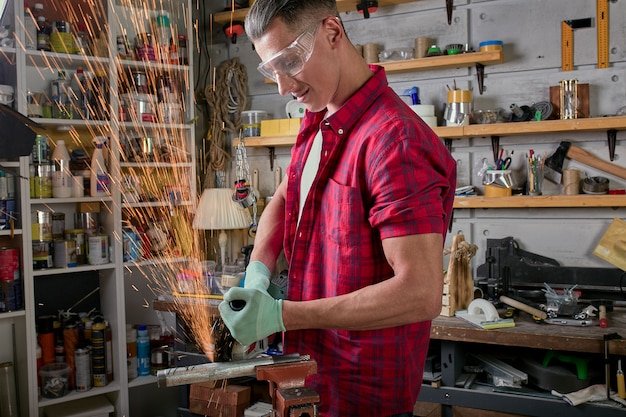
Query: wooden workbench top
[{"x": 527, "y": 333}]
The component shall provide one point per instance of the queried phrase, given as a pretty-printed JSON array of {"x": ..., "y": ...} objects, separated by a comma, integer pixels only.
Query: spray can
[
  {"x": 143, "y": 351},
  {"x": 99, "y": 180},
  {"x": 82, "y": 360},
  {"x": 98, "y": 359}
]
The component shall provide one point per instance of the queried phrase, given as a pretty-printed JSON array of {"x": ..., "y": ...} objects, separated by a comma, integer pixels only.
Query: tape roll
[{"x": 482, "y": 306}]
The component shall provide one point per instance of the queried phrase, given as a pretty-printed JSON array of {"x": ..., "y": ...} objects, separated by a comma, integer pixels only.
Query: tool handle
[
  {"x": 524, "y": 307},
  {"x": 581, "y": 155}
]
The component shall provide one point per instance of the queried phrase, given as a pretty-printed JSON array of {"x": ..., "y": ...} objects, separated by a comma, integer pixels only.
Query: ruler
[
  {"x": 567, "y": 46},
  {"x": 567, "y": 40},
  {"x": 602, "y": 28}
]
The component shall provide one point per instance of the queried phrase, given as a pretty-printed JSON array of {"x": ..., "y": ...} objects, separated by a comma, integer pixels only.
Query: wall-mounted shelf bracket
[
  {"x": 448, "y": 143},
  {"x": 480, "y": 76},
  {"x": 449, "y": 6},
  {"x": 611, "y": 135},
  {"x": 495, "y": 146},
  {"x": 272, "y": 157}
]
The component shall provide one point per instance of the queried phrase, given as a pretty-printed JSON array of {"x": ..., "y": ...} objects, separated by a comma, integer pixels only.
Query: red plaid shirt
[{"x": 383, "y": 173}]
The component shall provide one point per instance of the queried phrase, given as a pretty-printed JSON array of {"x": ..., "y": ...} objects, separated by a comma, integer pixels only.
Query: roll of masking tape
[{"x": 482, "y": 306}]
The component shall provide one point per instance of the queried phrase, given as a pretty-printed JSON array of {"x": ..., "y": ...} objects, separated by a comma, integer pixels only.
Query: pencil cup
[
  {"x": 421, "y": 46},
  {"x": 534, "y": 171}
]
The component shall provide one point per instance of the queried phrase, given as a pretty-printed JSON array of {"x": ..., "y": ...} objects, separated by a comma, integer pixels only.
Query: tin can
[
  {"x": 82, "y": 360},
  {"x": 41, "y": 225},
  {"x": 65, "y": 254},
  {"x": 98, "y": 358},
  {"x": 78, "y": 237},
  {"x": 182, "y": 50},
  {"x": 43, "y": 254},
  {"x": 131, "y": 244},
  {"x": 7, "y": 213},
  {"x": 41, "y": 150},
  {"x": 9, "y": 264},
  {"x": 58, "y": 225},
  {"x": 98, "y": 250}
]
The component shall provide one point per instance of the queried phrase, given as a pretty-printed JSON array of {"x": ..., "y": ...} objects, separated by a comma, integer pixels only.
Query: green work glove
[
  {"x": 251, "y": 314},
  {"x": 257, "y": 276}
]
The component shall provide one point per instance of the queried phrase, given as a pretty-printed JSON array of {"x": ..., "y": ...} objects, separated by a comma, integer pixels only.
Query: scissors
[{"x": 503, "y": 163}]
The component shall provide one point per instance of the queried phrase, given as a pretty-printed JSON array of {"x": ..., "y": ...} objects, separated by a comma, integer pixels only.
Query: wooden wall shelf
[
  {"x": 342, "y": 6},
  {"x": 444, "y": 61},
  {"x": 497, "y": 129},
  {"x": 544, "y": 201}
]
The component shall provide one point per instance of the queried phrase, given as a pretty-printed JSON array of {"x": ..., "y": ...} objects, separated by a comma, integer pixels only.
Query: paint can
[
  {"x": 9, "y": 264},
  {"x": 88, "y": 221},
  {"x": 41, "y": 225},
  {"x": 42, "y": 254},
  {"x": 78, "y": 237},
  {"x": 58, "y": 225},
  {"x": 65, "y": 253},
  {"x": 98, "y": 250}
]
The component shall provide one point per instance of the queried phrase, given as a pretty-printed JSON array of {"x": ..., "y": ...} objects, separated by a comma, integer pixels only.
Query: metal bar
[{"x": 220, "y": 370}]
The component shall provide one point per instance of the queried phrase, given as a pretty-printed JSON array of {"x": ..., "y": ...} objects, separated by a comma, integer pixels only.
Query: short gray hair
[{"x": 296, "y": 14}]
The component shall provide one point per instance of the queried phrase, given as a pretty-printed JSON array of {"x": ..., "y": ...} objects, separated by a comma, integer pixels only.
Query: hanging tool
[
  {"x": 449, "y": 6},
  {"x": 366, "y": 7},
  {"x": 553, "y": 167},
  {"x": 602, "y": 31},
  {"x": 567, "y": 40},
  {"x": 233, "y": 30}
]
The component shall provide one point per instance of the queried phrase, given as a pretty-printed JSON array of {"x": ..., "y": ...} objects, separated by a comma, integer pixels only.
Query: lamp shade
[{"x": 217, "y": 211}]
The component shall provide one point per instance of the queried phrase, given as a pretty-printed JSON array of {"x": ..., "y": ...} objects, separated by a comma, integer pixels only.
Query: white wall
[{"x": 531, "y": 32}]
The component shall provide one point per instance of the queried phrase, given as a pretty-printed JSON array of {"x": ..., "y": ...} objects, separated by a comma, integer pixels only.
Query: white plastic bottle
[
  {"x": 30, "y": 29},
  {"x": 99, "y": 181},
  {"x": 143, "y": 351},
  {"x": 62, "y": 180}
]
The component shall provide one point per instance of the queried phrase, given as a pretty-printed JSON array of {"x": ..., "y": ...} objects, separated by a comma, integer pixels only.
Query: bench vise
[{"x": 509, "y": 270}]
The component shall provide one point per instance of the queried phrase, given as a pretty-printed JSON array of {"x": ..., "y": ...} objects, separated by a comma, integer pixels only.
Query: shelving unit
[{"x": 33, "y": 70}]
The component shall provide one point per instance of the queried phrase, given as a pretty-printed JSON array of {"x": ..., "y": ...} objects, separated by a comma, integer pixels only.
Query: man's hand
[
  {"x": 257, "y": 276},
  {"x": 251, "y": 314}
]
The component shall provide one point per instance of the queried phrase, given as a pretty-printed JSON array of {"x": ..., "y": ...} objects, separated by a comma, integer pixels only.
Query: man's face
[{"x": 295, "y": 62}]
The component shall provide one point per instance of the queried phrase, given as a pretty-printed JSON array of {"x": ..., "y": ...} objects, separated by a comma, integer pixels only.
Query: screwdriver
[{"x": 621, "y": 387}]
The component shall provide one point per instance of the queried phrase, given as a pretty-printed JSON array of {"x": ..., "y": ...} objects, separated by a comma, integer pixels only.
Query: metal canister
[
  {"x": 98, "y": 250},
  {"x": 58, "y": 225},
  {"x": 78, "y": 236},
  {"x": 98, "y": 358},
  {"x": 41, "y": 225},
  {"x": 61, "y": 37},
  {"x": 132, "y": 246},
  {"x": 140, "y": 82},
  {"x": 42, "y": 254},
  {"x": 82, "y": 360},
  {"x": 41, "y": 150},
  {"x": 9, "y": 264}
]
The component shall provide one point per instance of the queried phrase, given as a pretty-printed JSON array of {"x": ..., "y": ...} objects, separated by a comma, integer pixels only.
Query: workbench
[{"x": 454, "y": 337}]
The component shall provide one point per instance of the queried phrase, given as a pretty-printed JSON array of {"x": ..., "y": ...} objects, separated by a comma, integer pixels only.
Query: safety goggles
[{"x": 290, "y": 60}]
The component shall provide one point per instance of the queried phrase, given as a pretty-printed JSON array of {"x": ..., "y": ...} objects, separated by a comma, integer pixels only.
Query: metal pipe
[{"x": 215, "y": 371}]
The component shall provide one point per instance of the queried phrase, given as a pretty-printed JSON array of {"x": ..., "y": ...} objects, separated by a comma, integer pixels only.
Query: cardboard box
[
  {"x": 280, "y": 127},
  {"x": 208, "y": 400}
]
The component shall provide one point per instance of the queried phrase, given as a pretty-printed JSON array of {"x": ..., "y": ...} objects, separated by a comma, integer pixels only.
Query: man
[{"x": 361, "y": 215}]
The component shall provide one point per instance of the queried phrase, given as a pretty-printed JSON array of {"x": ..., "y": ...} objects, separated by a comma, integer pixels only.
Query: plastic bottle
[
  {"x": 77, "y": 94},
  {"x": 99, "y": 180},
  {"x": 131, "y": 351},
  {"x": 4, "y": 186},
  {"x": 62, "y": 180},
  {"x": 30, "y": 28},
  {"x": 143, "y": 351},
  {"x": 43, "y": 29},
  {"x": 61, "y": 106},
  {"x": 163, "y": 36}
]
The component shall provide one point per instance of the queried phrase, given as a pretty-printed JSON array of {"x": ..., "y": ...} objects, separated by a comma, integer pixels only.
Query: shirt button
[{"x": 340, "y": 131}]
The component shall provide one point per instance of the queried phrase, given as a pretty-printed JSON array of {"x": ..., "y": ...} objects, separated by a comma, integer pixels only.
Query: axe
[{"x": 553, "y": 167}]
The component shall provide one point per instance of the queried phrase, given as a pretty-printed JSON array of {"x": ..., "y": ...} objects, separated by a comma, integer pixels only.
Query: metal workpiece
[{"x": 220, "y": 370}]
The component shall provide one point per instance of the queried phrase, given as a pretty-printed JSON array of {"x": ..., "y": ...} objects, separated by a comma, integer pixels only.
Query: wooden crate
[{"x": 229, "y": 401}]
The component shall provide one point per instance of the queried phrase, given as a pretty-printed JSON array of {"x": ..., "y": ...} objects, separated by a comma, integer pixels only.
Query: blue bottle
[{"x": 143, "y": 351}]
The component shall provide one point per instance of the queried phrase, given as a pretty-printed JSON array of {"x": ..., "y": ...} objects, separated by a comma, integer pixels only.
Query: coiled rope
[{"x": 226, "y": 98}]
